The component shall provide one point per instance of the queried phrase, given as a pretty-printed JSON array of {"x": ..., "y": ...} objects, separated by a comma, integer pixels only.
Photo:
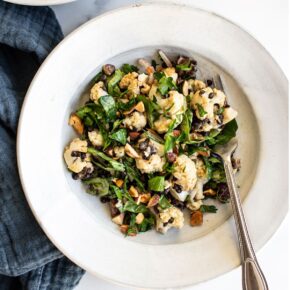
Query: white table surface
[{"x": 267, "y": 21}]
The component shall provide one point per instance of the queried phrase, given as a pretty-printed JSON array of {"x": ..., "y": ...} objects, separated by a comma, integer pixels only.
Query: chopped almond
[
  {"x": 133, "y": 191},
  {"x": 210, "y": 192},
  {"x": 118, "y": 219},
  {"x": 176, "y": 133},
  {"x": 76, "y": 123},
  {"x": 153, "y": 200},
  {"x": 185, "y": 88},
  {"x": 139, "y": 218},
  {"x": 203, "y": 153},
  {"x": 118, "y": 182},
  {"x": 130, "y": 151},
  {"x": 150, "y": 70},
  {"x": 196, "y": 218},
  {"x": 134, "y": 135},
  {"x": 124, "y": 229},
  {"x": 144, "y": 197},
  {"x": 140, "y": 107}
]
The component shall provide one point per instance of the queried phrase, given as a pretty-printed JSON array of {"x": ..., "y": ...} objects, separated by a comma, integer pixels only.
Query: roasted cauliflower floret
[
  {"x": 119, "y": 152},
  {"x": 169, "y": 218},
  {"x": 170, "y": 72},
  {"x": 97, "y": 91},
  {"x": 130, "y": 82},
  {"x": 185, "y": 172},
  {"x": 196, "y": 85},
  {"x": 96, "y": 138},
  {"x": 174, "y": 104},
  {"x": 135, "y": 120},
  {"x": 162, "y": 124},
  {"x": 206, "y": 103},
  {"x": 76, "y": 156},
  {"x": 154, "y": 164}
]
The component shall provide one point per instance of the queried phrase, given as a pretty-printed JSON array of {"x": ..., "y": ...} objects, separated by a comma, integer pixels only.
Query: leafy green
[
  {"x": 186, "y": 123},
  {"x": 201, "y": 110},
  {"x": 158, "y": 75},
  {"x": 153, "y": 136},
  {"x": 117, "y": 191},
  {"x": 184, "y": 66},
  {"x": 208, "y": 208},
  {"x": 131, "y": 206},
  {"x": 151, "y": 109},
  {"x": 97, "y": 77},
  {"x": 127, "y": 68},
  {"x": 117, "y": 76},
  {"x": 169, "y": 138},
  {"x": 165, "y": 84},
  {"x": 101, "y": 185},
  {"x": 208, "y": 167},
  {"x": 213, "y": 159},
  {"x": 156, "y": 183},
  {"x": 218, "y": 174},
  {"x": 228, "y": 132},
  {"x": 220, "y": 111},
  {"x": 115, "y": 164},
  {"x": 134, "y": 174},
  {"x": 119, "y": 136},
  {"x": 147, "y": 224},
  {"x": 164, "y": 202},
  {"x": 126, "y": 106},
  {"x": 109, "y": 106}
]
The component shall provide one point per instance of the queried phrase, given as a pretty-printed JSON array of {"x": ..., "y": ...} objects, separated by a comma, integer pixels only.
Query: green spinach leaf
[
  {"x": 109, "y": 106},
  {"x": 208, "y": 208},
  {"x": 156, "y": 183},
  {"x": 120, "y": 136}
]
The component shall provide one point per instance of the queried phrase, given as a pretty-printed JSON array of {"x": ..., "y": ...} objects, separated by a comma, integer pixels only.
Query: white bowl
[
  {"x": 77, "y": 223},
  {"x": 39, "y": 2}
]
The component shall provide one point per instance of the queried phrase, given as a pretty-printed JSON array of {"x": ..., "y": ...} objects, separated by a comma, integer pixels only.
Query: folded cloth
[{"x": 28, "y": 260}]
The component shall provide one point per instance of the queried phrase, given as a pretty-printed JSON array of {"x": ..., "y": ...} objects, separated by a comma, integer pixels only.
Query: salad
[{"x": 145, "y": 145}]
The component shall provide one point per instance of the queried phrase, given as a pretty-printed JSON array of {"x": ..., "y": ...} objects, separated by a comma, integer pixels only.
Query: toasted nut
[
  {"x": 176, "y": 133},
  {"x": 108, "y": 69},
  {"x": 76, "y": 123},
  {"x": 143, "y": 62},
  {"x": 110, "y": 151},
  {"x": 124, "y": 229},
  {"x": 171, "y": 157},
  {"x": 139, "y": 218},
  {"x": 144, "y": 198},
  {"x": 185, "y": 88},
  {"x": 210, "y": 192},
  {"x": 150, "y": 70},
  {"x": 140, "y": 107},
  {"x": 133, "y": 191},
  {"x": 203, "y": 153},
  {"x": 132, "y": 234},
  {"x": 130, "y": 151},
  {"x": 118, "y": 219},
  {"x": 118, "y": 182},
  {"x": 153, "y": 200},
  {"x": 196, "y": 218},
  {"x": 134, "y": 135},
  {"x": 146, "y": 88}
]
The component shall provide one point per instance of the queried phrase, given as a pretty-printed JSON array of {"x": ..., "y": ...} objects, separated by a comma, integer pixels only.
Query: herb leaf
[
  {"x": 131, "y": 206},
  {"x": 119, "y": 136},
  {"x": 185, "y": 66},
  {"x": 228, "y": 132},
  {"x": 101, "y": 185},
  {"x": 166, "y": 84},
  {"x": 109, "y": 106},
  {"x": 201, "y": 110},
  {"x": 156, "y": 183},
  {"x": 164, "y": 202},
  {"x": 186, "y": 123},
  {"x": 127, "y": 68},
  {"x": 117, "y": 76},
  {"x": 115, "y": 164},
  {"x": 208, "y": 208}
]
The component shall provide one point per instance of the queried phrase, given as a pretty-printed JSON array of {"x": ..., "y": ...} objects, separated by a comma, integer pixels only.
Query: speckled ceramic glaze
[{"x": 77, "y": 223}]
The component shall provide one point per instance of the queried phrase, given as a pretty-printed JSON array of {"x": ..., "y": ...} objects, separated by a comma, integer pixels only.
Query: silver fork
[{"x": 252, "y": 275}]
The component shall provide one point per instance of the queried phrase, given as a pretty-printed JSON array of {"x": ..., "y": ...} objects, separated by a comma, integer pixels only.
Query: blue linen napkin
[{"x": 28, "y": 260}]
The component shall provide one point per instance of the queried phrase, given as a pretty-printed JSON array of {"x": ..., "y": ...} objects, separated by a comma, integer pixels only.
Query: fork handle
[{"x": 252, "y": 275}]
